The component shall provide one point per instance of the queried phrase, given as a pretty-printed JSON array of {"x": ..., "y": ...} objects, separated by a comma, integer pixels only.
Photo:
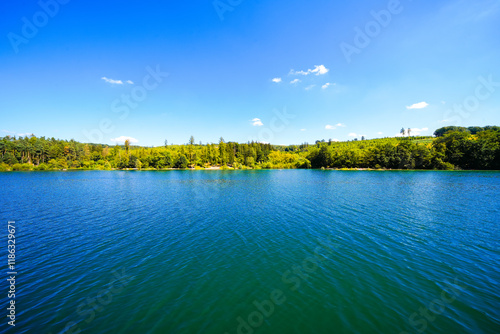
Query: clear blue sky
[{"x": 70, "y": 74}]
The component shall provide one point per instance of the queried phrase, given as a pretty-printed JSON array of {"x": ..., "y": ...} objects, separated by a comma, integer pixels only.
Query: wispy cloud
[
  {"x": 420, "y": 105},
  {"x": 325, "y": 86},
  {"x": 310, "y": 87},
  {"x": 333, "y": 127},
  {"x": 318, "y": 70},
  {"x": 302, "y": 129},
  {"x": 112, "y": 81},
  {"x": 467, "y": 11},
  {"x": 276, "y": 80},
  {"x": 116, "y": 82},
  {"x": 18, "y": 134},
  {"x": 122, "y": 139},
  {"x": 257, "y": 122},
  {"x": 294, "y": 81},
  {"x": 293, "y": 72},
  {"x": 354, "y": 135},
  {"x": 489, "y": 11},
  {"x": 418, "y": 132},
  {"x": 380, "y": 133}
]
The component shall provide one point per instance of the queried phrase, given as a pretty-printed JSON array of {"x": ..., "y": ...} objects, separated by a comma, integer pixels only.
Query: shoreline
[{"x": 250, "y": 169}]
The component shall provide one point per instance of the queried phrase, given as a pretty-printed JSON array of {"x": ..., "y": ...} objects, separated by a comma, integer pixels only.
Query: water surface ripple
[{"x": 201, "y": 251}]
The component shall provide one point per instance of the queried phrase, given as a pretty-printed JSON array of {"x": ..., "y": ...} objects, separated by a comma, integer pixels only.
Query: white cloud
[
  {"x": 318, "y": 70},
  {"x": 352, "y": 134},
  {"x": 333, "y": 127},
  {"x": 257, "y": 122},
  {"x": 294, "y": 81},
  {"x": 420, "y": 105},
  {"x": 380, "y": 133},
  {"x": 334, "y": 139},
  {"x": 417, "y": 131},
  {"x": 112, "y": 81},
  {"x": 116, "y": 82},
  {"x": 325, "y": 86},
  {"x": 276, "y": 80},
  {"x": 292, "y": 72},
  {"x": 122, "y": 139},
  {"x": 302, "y": 129},
  {"x": 18, "y": 134},
  {"x": 310, "y": 87}
]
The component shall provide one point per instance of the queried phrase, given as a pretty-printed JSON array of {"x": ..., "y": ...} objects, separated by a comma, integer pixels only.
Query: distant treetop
[{"x": 471, "y": 129}]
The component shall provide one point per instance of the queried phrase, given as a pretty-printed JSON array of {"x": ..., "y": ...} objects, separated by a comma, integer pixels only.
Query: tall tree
[
  {"x": 222, "y": 151},
  {"x": 127, "y": 146},
  {"x": 191, "y": 143}
]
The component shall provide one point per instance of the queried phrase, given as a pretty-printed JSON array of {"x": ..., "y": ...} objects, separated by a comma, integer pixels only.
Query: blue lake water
[{"x": 292, "y": 251}]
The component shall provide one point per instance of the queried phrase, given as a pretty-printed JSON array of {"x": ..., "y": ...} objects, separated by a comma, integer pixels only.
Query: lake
[{"x": 271, "y": 251}]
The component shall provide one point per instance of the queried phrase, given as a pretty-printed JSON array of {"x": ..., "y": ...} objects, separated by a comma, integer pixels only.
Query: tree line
[{"x": 452, "y": 148}]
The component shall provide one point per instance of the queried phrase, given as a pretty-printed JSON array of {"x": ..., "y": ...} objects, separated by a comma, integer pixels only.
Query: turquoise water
[{"x": 294, "y": 251}]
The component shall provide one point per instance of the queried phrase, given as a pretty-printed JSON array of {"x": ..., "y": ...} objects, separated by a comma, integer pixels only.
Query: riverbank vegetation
[{"x": 451, "y": 148}]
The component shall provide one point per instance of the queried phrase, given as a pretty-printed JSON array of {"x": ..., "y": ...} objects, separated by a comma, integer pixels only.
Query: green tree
[
  {"x": 138, "y": 164},
  {"x": 222, "y": 152},
  {"x": 181, "y": 162},
  {"x": 442, "y": 131},
  {"x": 127, "y": 146},
  {"x": 457, "y": 148}
]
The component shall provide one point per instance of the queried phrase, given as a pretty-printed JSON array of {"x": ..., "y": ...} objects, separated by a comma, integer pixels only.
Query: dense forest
[{"x": 451, "y": 148}]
